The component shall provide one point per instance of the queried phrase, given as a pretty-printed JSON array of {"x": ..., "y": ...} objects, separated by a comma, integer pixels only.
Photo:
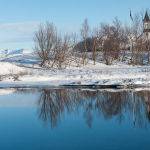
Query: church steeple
[
  {"x": 146, "y": 23},
  {"x": 146, "y": 18}
]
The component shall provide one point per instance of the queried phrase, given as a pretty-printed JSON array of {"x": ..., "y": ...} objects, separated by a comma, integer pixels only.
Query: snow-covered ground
[
  {"x": 99, "y": 74},
  {"x": 8, "y": 68}
]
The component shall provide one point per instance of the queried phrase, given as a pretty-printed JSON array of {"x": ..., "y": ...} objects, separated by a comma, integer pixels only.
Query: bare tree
[
  {"x": 136, "y": 31},
  {"x": 75, "y": 55},
  {"x": 45, "y": 40},
  {"x": 95, "y": 40},
  {"x": 52, "y": 48},
  {"x": 110, "y": 45},
  {"x": 121, "y": 38},
  {"x": 112, "y": 40},
  {"x": 125, "y": 41},
  {"x": 62, "y": 52},
  {"x": 85, "y": 34}
]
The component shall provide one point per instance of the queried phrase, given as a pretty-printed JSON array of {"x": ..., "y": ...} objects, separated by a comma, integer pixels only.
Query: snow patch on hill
[{"x": 8, "y": 68}]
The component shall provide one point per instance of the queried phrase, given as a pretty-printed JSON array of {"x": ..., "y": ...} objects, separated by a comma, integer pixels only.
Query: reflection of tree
[
  {"x": 120, "y": 105},
  {"x": 54, "y": 102},
  {"x": 144, "y": 96},
  {"x": 111, "y": 104}
]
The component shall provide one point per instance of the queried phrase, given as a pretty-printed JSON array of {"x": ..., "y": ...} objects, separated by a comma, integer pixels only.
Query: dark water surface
[{"x": 74, "y": 119}]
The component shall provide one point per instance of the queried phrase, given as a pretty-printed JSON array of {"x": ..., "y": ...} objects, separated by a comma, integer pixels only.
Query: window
[{"x": 146, "y": 26}]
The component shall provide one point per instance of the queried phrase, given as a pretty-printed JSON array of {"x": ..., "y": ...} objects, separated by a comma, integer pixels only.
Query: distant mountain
[
  {"x": 18, "y": 56},
  {"x": 5, "y": 53}
]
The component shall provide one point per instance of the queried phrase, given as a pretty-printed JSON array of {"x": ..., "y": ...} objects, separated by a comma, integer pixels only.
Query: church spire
[
  {"x": 146, "y": 18},
  {"x": 146, "y": 22}
]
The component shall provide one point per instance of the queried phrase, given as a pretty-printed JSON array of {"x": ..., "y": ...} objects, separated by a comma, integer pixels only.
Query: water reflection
[
  {"x": 74, "y": 119},
  {"x": 122, "y": 106}
]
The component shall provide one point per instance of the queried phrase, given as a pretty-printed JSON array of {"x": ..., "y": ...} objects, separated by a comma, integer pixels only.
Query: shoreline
[
  {"x": 71, "y": 86},
  {"x": 97, "y": 76}
]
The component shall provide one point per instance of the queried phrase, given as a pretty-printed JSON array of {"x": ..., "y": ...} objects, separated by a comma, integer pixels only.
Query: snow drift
[{"x": 8, "y": 68}]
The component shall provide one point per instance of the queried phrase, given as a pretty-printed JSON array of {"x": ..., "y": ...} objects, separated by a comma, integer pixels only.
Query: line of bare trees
[{"x": 107, "y": 43}]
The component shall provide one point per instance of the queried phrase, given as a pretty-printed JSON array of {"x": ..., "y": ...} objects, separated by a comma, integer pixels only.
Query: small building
[{"x": 146, "y": 26}]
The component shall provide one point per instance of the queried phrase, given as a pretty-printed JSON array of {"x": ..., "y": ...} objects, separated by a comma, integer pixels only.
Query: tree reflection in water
[{"x": 118, "y": 105}]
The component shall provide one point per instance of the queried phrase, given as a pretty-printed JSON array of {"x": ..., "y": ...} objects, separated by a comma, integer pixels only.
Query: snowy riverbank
[{"x": 99, "y": 74}]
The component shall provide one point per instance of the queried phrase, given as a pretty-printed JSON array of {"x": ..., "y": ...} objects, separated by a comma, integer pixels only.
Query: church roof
[{"x": 146, "y": 18}]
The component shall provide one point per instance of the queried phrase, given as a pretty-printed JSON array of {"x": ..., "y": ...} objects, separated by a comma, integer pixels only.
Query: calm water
[{"x": 74, "y": 119}]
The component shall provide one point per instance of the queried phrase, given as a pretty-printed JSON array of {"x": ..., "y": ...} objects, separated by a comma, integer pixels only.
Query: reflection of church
[{"x": 146, "y": 23}]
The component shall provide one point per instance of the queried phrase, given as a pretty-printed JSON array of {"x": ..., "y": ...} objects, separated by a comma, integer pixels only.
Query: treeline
[{"x": 106, "y": 43}]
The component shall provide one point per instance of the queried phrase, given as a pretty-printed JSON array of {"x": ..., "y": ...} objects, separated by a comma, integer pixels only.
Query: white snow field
[{"x": 99, "y": 74}]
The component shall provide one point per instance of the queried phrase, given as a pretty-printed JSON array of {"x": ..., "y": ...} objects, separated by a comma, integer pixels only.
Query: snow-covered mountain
[
  {"x": 7, "y": 52},
  {"x": 18, "y": 56}
]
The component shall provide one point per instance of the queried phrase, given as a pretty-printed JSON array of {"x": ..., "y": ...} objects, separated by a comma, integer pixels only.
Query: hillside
[{"x": 19, "y": 74}]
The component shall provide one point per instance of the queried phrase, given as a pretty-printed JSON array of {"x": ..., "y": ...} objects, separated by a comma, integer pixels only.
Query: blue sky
[{"x": 20, "y": 18}]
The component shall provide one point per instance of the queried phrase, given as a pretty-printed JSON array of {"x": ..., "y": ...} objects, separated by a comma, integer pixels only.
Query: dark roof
[
  {"x": 146, "y": 18},
  {"x": 80, "y": 46}
]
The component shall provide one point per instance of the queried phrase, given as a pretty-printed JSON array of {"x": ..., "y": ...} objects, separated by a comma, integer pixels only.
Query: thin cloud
[{"x": 17, "y": 32}]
